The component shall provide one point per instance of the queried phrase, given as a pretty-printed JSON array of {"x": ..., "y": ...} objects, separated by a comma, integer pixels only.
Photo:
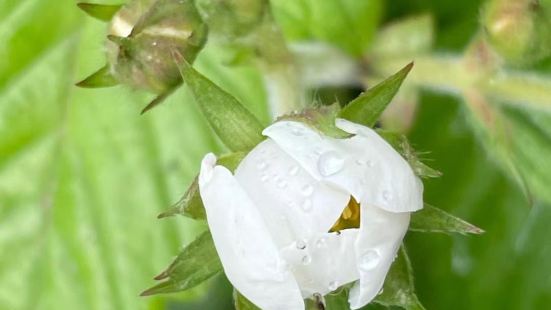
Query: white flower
[{"x": 271, "y": 221}]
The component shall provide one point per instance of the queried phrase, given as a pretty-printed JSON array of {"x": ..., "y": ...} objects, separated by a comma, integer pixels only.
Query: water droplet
[
  {"x": 301, "y": 245},
  {"x": 294, "y": 170},
  {"x": 262, "y": 165},
  {"x": 264, "y": 178},
  {"x": 307, "y": 190},
  {"x": 297, "y": 131},
  {"x": 370, "y": 260},
  {"x": 386, "y": 195},
  {"x": 330, "y": 163},
  {"x": 360, "y": 162},
  {"x": 306, "y": 260},
  {"x": 281, "y": 183},
  {"x": 333, "y": 285},
  {"x": 370, "y": 163},
  {"x": 321, "y": 243},
  {"x": 307, "y": 205}
]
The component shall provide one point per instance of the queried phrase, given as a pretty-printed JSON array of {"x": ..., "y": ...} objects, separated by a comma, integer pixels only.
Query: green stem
[{"x": 452, "y": 74}]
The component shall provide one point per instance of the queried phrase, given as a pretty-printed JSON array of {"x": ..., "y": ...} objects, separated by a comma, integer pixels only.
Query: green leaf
[
  {"x": 102, "y": 12},
  {"x": 82, "y": 175},
  {"x": 460, "y": 272},
  {"x": 232, "y": 122},
  {"x": 190, "y": 204},
  {"x": 368, "y": 107},
  {"x": 348, "y": 24},
  {"x": 400, "y": 143},
  {"x": 196, "y": 263},
  {"x": 431, "y": 219},
  {"x": 398, "y": 289},
  {"x": 99, "y": 79},
  {"x": 242, "y": 303}
]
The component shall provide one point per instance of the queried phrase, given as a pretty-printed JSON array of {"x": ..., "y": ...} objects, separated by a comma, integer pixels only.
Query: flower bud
[
  {"x": 519, "y": 30},
  {"x": 142, "y": 37}
]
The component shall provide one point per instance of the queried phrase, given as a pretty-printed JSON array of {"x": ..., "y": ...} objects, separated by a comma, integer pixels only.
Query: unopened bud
[
  {"x": 519, "y": 30},
  {"x": 144, "y": 34}
]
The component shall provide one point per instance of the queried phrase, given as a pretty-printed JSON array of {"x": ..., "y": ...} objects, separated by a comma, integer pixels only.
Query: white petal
[
  {"x": 293, "y": 204},
  {"x": 365, "y": 165},
  {"x": 249, "y": 256},
  {"x": 380, "y": 236},
  {"x": 324, "y": 262}
]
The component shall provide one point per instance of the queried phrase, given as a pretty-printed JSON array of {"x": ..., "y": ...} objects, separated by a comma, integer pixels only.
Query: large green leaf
[
  {"x": 501, "y": 269},
  {"x": 82, "y": 174}
]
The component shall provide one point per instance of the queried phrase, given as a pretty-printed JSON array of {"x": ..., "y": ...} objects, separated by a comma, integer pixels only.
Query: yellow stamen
[{"x": 350, "y": 217}]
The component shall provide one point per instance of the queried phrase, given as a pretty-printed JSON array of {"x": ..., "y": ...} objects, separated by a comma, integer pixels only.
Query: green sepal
[
  {"x": 98, "y": 79},
  {"x": 320, "y": 118},
  {"x": 398, "y": 289},
  {"x": 236, "y": 126},
  {"x": 400, "y": 143},
  {"x": 435, "y": 220},
  {"x": 120, "y": 41},
  {"x": 103, "y": 12},
  {"x": 242, "y": 303},
  {"x": 191, "y": 205},
  {"x": 368, "y": 107},
  {"x": 196, "y": 263},
  {"x": 158, "y": 100}
]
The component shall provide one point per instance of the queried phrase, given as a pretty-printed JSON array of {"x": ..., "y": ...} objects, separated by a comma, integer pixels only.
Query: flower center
[{"x": 350, "y": 217}]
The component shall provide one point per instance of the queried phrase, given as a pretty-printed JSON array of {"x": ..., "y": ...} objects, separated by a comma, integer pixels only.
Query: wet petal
[
  {"x": 380, "y": 236},
  {"x": 364, "y": 165},
  {"x": 293, "y": 204},
  {"x": 324, "y": 262},
  {"x": 248, "y": 254}
]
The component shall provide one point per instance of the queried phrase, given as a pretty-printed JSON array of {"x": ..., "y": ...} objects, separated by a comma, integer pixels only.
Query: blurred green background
[{"x": 83, "y": 175}]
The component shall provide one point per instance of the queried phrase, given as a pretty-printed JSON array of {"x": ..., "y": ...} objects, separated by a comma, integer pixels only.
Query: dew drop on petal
[
  {"x": 297, "y": 131},
  {"x": 307, "y": 205},
  {"x": 264, "y": 178},
  {"x": 360, "y": 162},
  {"x": 294, "y": 170},
  {"x": 370, "y": 260},
  {"x": 262, "y": 165},
  {"x": 386, "y": 195},
  {"x": 307, "y": 190},
  {"x": 333, "y": 285},
  {"x": 306, "y": 260},
  {"x": 370, "y": 163},
  {"x": 330, "y": 163},
  {"x": 301, "y": 245},
  {"x": 321, "y": 243},
  {"x": 281, "y": 184}
]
